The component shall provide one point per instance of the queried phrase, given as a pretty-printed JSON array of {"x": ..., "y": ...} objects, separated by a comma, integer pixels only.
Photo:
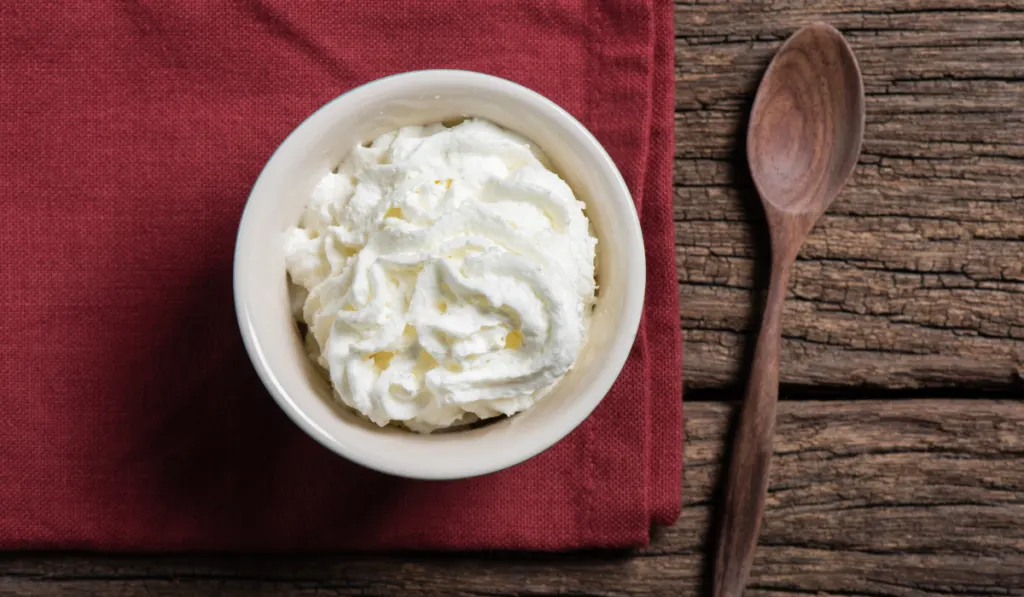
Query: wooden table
[{"x": 899, "y": 465}]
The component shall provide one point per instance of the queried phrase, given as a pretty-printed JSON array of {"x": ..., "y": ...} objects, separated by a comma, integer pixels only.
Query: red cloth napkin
[{"x": 132, "y": 133}]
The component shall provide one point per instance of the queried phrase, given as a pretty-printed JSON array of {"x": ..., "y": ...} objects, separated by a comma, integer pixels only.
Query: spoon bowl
[{"x": 807, "y": 122}]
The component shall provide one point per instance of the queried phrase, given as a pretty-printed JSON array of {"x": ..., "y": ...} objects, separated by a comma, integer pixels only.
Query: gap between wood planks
[{"x": 735, "y": 393}]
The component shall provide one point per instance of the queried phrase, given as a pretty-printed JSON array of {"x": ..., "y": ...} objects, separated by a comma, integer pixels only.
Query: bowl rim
[{"x": 611, "y": 366}]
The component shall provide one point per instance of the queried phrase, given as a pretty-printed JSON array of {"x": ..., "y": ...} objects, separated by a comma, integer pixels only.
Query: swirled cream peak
[{"x": 445, "y": 275}]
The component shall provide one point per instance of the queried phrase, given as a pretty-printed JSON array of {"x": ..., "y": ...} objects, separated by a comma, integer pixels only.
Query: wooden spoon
[{"x": 804, "y": 140}]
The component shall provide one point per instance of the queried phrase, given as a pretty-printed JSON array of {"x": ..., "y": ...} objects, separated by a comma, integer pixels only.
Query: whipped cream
[{"x": 446, "y": 275}]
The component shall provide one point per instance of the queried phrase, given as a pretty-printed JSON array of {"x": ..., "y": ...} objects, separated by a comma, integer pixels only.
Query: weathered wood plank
[
  {"x": 916, "y": 277},
  {"x": 902, "y": 499}
]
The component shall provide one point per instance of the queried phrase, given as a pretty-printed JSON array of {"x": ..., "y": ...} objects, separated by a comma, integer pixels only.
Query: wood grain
[
  {"x": 915, "y": 278},
  {"x": 868, "y": 498}
]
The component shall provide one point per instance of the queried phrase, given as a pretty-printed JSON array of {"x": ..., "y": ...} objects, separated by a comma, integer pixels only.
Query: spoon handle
[{"x": 747, "y": 480}]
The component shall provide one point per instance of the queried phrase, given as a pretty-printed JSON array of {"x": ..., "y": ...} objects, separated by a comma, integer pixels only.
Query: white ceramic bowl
[{"x": 320, "y": 143}]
